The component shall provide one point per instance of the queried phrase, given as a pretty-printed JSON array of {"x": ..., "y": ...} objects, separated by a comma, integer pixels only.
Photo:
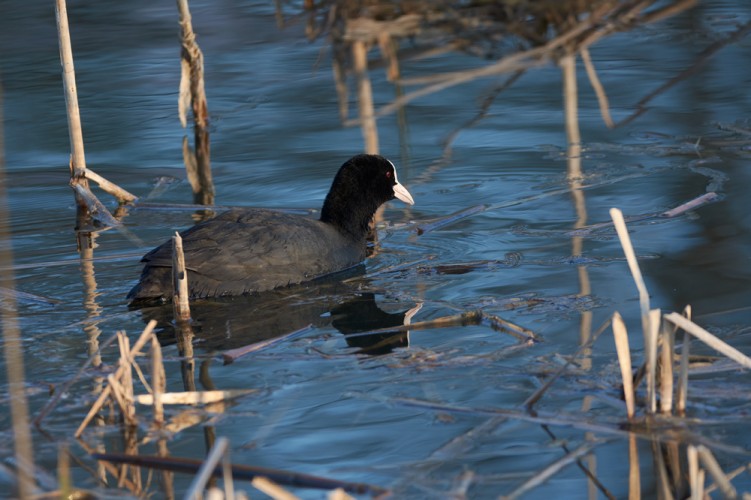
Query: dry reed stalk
[
  {"x": 85, "y": 199},
  {"x": 126, "y": 398},
  {"x": 624, "y": 360},
  {"x": 711, "y": 465},
  {"x": 201, "y": 479},
  {"x": 179, "y": 280},
  {"x": 119, "y": 193},
  {"x": 192, "y": 91},
  {"x": 107, "y": 391},
  {"x": 650, "y": 348},
  {"x": 158, "y": 380},
  {"x": 633, "y": 264},
  {"x": 682, "y": 386},
  {"x": 271, "y": 489},
  {"x": 75, "y": 131},
  {"x": 365, "y": 96},
  {"x": 667, "y": 356},
  {"x": 709, "y": 339}
]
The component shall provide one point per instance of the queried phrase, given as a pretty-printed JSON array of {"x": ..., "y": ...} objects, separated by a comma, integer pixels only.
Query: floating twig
[{"x": 193, "y": 397}]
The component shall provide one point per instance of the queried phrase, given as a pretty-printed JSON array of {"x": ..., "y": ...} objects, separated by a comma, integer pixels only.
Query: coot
[{"x": 254, "y": 250}]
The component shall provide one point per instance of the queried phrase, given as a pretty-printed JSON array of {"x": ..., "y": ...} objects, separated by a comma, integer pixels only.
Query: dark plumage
[{"x": 255, "y": 250}]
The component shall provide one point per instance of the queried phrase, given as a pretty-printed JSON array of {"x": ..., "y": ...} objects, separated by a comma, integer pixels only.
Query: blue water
[{"x": 323, "y": 407}]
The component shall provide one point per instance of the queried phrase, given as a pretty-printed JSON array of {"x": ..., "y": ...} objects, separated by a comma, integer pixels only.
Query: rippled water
[{"x": 324, "y": 407}]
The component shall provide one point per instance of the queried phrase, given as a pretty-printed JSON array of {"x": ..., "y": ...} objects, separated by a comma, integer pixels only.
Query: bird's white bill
[{"x": 401, "y": 193}]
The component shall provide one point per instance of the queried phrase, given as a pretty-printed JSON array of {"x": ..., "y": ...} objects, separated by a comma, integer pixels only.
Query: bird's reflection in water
[{"x": 232, "y": 322}]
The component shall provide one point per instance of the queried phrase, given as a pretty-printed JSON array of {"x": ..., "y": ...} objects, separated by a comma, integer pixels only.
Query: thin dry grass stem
[
  {"x": 709, "y": 339},
  {"x": 271, "y": 489},
  {"x": 651, "y": 354},
  {"x": 628, "y": 250},
  {"x": 713, "y": 467},
  {"x": 123, "y": 388},
  {"x": 365, "y": 96},
  {"x": 206, "y": 472},
  {"x": 624, "y": 360},
  {"x": 120, "y": 194},
  {"x": 682, "y": 389},
  {"x": 180, "y": 303},
  {"x": 158, "y": 380},
  {"x": 107, "y": 391},
  {"x": 541, "y": 476},
  {"x": 602, "y": 97}
]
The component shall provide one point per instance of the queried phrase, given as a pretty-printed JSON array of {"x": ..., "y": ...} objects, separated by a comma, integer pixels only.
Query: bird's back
[{"x": 248, "y": 251}]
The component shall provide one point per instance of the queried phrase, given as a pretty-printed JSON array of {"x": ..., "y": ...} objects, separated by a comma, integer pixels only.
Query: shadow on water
[{"x": 233, "y": 322}]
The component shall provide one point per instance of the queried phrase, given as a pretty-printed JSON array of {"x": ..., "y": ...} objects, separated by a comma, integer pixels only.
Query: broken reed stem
[
  {"x": 75, "y": 131},
  {"x": 624, "y": 360},
  {"x": 179, "y": 280},
  {"x": 198, "y": 485},
  {"x": 628, "y": 250},
  {"x": 157, "y": 380},
  {"x": 107, "y": 391},
  {"x": 667, "y": 335},
  {"x": 119, "y": 193},
  {"x": 709, "y": 339},
  {"x": 125, "y": 384}
]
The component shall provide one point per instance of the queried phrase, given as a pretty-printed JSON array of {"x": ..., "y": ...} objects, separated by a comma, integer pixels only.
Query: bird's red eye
[{"x": 388, "y": 174}]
